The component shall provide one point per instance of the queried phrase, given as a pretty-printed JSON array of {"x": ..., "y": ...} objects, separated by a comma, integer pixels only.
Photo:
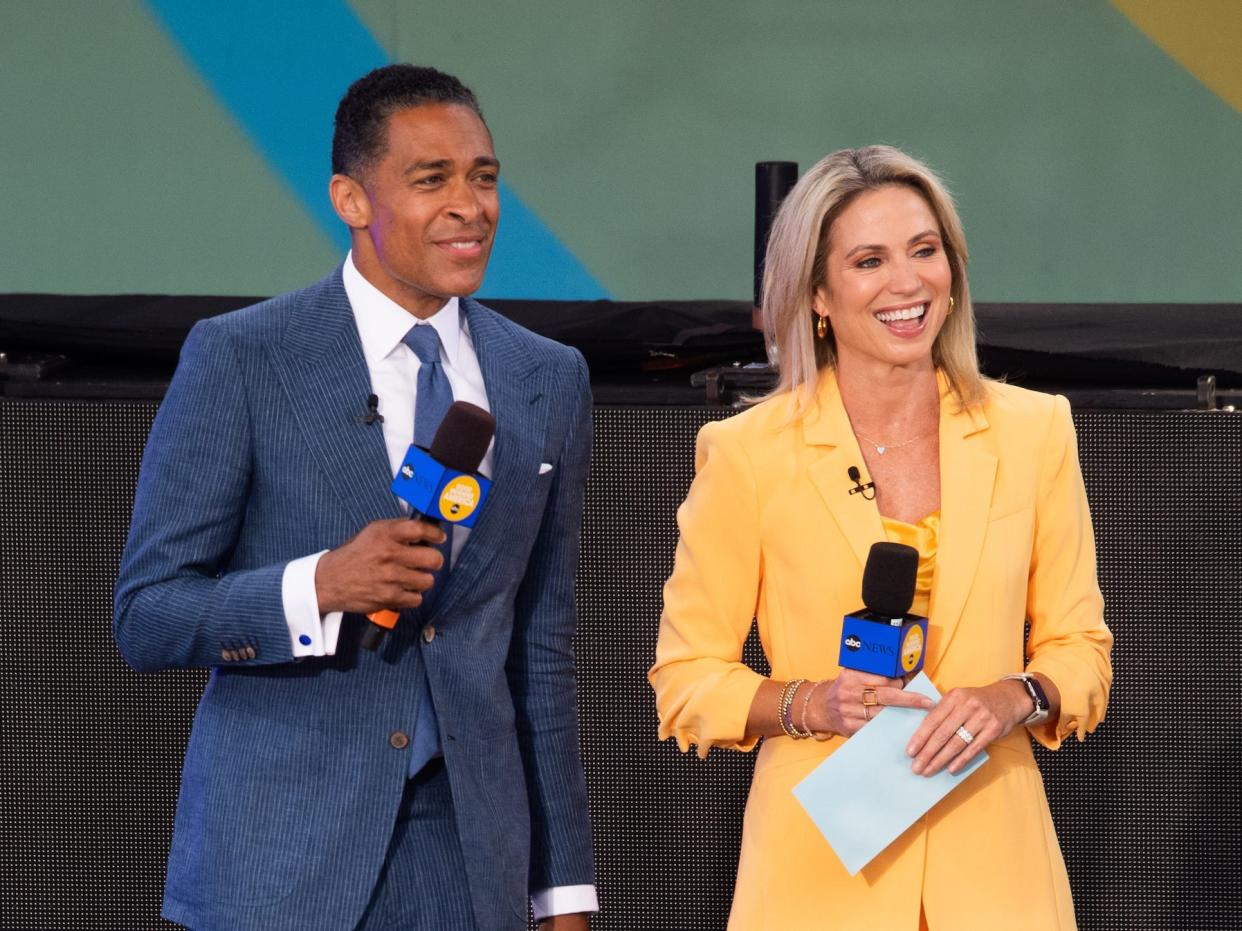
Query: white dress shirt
[{"x": 393, "y": 367}]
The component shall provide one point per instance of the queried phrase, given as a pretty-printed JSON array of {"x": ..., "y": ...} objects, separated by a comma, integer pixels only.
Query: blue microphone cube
[
  {"x": 436, "y": 491},
  {"x": 890, "y": 647}
]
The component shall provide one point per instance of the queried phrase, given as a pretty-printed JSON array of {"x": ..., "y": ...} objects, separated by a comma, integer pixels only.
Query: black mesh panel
[{"x": 1149, "y": 810}]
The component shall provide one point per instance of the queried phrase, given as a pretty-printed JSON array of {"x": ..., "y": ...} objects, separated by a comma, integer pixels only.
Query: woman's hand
[
  {"x": 981, "y": 714},
  {"x": 844, "y": 704}
]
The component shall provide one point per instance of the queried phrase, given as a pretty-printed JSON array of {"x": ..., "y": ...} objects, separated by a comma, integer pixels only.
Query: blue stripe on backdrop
[{"x": 281, "y": 67}]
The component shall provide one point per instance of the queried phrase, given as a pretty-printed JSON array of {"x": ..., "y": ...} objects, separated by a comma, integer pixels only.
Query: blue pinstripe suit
[{"x": 291, "y": 780}]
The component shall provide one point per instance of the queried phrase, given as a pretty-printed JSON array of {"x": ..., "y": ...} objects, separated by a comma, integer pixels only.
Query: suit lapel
[
  {"x": 967, "y": 476},
  {"x": 827, "y": 425},
  {"x": 513, "y": 388},
  {"x": 324, "y": 373}
]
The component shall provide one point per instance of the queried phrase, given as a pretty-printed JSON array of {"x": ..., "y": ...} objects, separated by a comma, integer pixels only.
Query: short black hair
[{"x": 362, "y": 115}]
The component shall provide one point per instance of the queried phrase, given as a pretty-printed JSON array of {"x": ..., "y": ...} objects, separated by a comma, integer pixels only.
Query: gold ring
[
  {"x": 867, "y": 712},
  {"x": 869, "y": 698}
]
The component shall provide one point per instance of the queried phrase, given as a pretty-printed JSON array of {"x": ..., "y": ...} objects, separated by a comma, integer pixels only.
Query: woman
[{"x": 867, "y": 305}]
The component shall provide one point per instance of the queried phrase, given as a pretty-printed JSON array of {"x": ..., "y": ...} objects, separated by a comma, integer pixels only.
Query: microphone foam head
[
  {"x": 889, "y": 578},
  {"x": 463, "y": 436}
]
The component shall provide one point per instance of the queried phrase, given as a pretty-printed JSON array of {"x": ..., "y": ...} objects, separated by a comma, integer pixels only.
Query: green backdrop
[{"x": 1094, "y": 147}]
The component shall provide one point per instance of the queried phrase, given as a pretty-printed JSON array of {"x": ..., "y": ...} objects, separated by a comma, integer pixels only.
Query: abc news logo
[{"x": 854, "y": 643}]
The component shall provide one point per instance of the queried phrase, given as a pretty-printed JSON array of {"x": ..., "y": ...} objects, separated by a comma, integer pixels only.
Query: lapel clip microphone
[
  {"x": 372, "y": 415},
  {"x": 859, "y": 488}
]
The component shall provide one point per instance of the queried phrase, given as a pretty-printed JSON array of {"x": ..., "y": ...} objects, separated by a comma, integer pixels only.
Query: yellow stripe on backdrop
[{"x": 1203, "y": 36}]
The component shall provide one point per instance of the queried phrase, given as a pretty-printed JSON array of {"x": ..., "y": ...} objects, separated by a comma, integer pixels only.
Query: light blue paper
[{"x": 864, "y": 796}]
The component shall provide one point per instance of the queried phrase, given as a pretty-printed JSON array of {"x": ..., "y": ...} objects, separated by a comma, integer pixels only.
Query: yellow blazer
[{"x": 770, "y": 531}]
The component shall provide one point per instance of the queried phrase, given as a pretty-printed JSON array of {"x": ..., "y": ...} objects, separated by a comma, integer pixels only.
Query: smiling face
[
  {"x": 888, "y": 279},
  {"x": 423, "y": 216}
]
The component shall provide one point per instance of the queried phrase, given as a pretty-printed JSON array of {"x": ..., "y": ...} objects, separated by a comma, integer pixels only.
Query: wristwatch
[{"x": 1036, "y": 691}]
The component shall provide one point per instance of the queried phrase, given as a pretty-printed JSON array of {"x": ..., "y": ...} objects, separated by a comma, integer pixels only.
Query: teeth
[
  {"x": 461, "y": 245},
  {"x": 906, "y": 313}
]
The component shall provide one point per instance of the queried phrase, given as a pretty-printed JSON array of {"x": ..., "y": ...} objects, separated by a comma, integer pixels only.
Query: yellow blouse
[{"x": 924, "y": 537}]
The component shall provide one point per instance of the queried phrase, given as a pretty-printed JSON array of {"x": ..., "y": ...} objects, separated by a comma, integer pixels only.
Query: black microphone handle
[{"x": 373, "y": 636}]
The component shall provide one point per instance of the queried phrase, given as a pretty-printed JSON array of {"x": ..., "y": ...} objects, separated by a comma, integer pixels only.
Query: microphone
[
  {"x": 859, "y": 488},
  {"x": 884, "y": 638},
  {"x": 372, "y": 415},
  {"x": 439, "y": 484}
]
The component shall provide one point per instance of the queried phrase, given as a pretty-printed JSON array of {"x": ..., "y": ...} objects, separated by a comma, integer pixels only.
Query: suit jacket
[
  {"x": 295, "y": 769},
  {"x": 770, "y": 531}
]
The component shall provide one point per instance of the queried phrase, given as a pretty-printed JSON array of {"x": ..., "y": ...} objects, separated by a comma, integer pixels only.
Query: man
[{"x": 429, "y": 784}]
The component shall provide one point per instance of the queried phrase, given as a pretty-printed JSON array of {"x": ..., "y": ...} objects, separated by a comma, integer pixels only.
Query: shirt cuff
[
  {"x": 310, "y": 633},
  {"x": 563, "y": 900}
]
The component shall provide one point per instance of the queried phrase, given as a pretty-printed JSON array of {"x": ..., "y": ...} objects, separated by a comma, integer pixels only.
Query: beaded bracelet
[
  {"x": 806, "y": 703},
  {"x": 787, "y": 697}
]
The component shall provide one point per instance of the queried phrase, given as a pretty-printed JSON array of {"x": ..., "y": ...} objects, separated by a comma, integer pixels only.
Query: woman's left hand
[{"x": 981, "y": 714}]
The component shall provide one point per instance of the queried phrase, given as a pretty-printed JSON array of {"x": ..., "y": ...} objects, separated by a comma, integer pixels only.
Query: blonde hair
[{"x": 796, "y": 264}]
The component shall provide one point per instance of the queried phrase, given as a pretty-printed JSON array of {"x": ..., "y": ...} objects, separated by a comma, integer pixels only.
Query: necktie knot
[{"x": 424, "y": 341}]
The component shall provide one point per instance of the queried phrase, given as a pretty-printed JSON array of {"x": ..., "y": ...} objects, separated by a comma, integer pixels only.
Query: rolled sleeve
[
  {"x": 703, "y": 689},
  {"x": 1068, "y": 642}
]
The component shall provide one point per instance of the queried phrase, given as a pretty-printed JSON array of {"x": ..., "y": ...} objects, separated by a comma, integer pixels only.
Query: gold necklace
[{"x": 883, "y": 449}]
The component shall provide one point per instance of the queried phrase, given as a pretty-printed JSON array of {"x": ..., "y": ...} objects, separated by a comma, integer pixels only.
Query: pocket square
[{"x": 545, "y": 468}]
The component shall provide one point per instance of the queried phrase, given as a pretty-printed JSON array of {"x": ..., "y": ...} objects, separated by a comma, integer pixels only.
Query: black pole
[{"x": 772, "y": 182}]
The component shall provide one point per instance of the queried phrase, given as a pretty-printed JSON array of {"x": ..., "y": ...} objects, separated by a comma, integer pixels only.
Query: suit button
[
  {"x": 398, "y": 740},
  {"x": 250, "y": 652},
  {"x": 429, "y": 634},
  {"x": 228, "y": 655}
]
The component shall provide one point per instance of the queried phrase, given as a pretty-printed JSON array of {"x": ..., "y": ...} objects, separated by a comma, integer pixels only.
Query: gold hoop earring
[
  {"x": 821, "y": 326},
  {"x": 951, "y": 304}
]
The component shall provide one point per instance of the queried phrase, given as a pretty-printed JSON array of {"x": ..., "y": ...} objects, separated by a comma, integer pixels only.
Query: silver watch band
[{"x": 1040, "y": 714}]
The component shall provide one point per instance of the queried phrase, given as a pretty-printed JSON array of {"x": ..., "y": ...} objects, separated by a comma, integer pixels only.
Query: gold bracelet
[
  {"x": 787, "y": 697},
  {"x": 806, "y": 703}
]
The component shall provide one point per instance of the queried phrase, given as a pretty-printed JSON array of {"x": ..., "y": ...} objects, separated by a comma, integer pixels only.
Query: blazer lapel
[
  {"x": 967, "y": 476},
  {"x": 320, "y": 363},
  {"x": 828, "y": 426},
  {"x": 512, "y": 393}
]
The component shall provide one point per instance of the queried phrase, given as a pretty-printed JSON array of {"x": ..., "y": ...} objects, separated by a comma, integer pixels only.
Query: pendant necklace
[{"x": 881, "y": 450}]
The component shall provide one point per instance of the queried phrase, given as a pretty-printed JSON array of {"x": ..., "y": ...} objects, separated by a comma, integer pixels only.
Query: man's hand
[
  {"x": 382, "y": 567},
  {"x": 574, "y": 922}
]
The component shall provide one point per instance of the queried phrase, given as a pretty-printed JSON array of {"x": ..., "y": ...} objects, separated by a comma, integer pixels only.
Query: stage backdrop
[
  {"x": 1148, "y": 810},
  {"x": 177, "y": 146}
]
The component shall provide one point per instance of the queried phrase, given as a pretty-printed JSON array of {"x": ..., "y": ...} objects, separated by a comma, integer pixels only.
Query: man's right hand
[{"x": 383, "y": 566}]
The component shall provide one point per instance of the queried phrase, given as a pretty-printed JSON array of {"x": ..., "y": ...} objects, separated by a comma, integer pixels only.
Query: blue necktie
[{"x": 433, "y": 399}]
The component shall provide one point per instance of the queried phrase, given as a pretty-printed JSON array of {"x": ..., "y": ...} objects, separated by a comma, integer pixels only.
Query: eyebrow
[
  {"x": 483, "y": 161},
  {"x": 911, "y": 241}
]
